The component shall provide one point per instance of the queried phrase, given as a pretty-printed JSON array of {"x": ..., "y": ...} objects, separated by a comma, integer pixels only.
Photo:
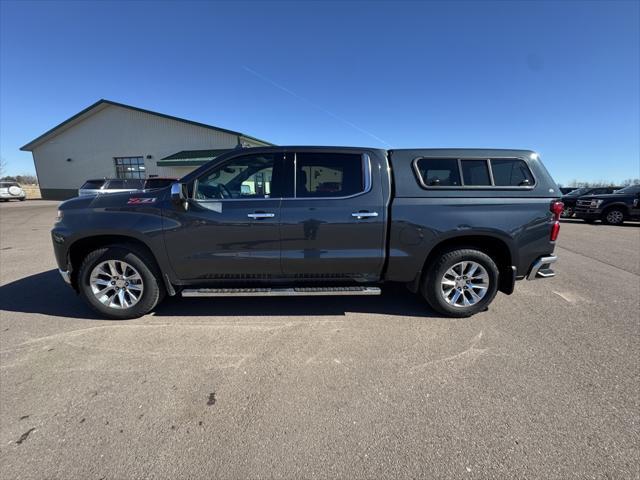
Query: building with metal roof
[{"x": 114, "y": 140}]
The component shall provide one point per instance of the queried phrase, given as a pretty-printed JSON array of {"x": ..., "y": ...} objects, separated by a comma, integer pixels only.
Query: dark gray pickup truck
[{"x": 455, "y": 225}]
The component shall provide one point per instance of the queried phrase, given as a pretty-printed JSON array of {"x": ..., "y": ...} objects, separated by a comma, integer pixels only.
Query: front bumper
[
  {"x": 594, "y": 213},
  {"x": 541, "y": 268}
]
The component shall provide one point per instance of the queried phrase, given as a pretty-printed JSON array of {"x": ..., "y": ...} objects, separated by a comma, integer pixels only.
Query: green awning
[{"x": 191, "y": 158}]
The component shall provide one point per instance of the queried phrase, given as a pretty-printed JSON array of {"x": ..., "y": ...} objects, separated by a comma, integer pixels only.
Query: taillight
[
  {"x": 555, "y": 231},
  {"x": 556, "y": 208}
]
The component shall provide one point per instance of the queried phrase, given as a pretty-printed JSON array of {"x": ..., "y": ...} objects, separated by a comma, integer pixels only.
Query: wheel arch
[
  {"x": 79, "y": 249},
  {"x": 497, "y": 248},
  {"x": 619, "y": 205}
]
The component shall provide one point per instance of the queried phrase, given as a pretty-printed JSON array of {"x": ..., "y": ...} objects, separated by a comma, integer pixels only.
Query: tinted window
[
  {"x": 93, "y": 184},
  {"x": 157, "y": 183},
  {"x": 631, "y": 189},
  {"x": 250, "y": 176},
  {"x": 328, "y": 174},
  {"x": 439, "y": 172},
  {"x": 123, "y": 184},
  {"x": 511, "y": 172},
  {"x": 475, "y": 172}
]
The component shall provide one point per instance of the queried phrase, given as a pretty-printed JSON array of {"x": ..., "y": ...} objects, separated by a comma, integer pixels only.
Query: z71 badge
[{"x": 140, "y": 201}]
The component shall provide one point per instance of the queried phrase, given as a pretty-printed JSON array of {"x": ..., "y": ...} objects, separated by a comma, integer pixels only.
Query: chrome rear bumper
[{"x": 541, "y": 268}]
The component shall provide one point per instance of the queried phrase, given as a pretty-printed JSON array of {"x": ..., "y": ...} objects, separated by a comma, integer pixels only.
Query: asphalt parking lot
[{"x": 545, "y": 384}]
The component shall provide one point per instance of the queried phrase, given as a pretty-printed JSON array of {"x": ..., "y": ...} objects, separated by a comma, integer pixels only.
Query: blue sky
[{"x": 558, "y": 77}]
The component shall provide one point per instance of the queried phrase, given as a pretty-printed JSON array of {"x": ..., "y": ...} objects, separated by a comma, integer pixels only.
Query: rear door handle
[
  {"x": 261, "y": 215},
  {"x": 361, "y": 215}
]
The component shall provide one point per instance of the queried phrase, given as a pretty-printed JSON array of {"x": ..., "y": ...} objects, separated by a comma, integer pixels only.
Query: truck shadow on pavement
[{"x": 45, "y": 293}]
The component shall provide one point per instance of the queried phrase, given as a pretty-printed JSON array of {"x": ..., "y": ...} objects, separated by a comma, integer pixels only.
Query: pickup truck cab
[
  {"x": 455, "y": 225},
  {"x": 612, "y": 209}
]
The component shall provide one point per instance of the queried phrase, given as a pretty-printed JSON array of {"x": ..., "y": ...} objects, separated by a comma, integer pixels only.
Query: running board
[{"x": 278, "y": 292}]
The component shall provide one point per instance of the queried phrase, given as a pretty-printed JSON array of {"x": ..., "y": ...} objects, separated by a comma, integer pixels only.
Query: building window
[{"x": 130, "y": 167}]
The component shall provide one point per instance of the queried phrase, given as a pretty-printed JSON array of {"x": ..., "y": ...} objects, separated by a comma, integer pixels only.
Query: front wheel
[
  {"x": 120, "y": 282},
  {"x": 461, "y": 282},
  {"x": 615, "y": 216}
]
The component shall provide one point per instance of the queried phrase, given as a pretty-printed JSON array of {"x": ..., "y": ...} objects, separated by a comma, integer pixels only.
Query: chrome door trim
[{"x": 260, "y": 215}]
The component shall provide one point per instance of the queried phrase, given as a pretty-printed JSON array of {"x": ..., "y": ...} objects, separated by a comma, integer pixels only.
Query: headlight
[
  {"x": 59, "y": 216},
  {"x": 596, "y": 203}
]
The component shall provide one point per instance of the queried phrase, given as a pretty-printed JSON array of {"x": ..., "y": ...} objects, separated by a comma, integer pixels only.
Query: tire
[
  {"x": 438, "y": 272},
  {"x": 567, "y": 212},
  {"x": 613, "y": 216},
  {"x": 130, "y": 263},
  {"x": 22, "y": 199}
]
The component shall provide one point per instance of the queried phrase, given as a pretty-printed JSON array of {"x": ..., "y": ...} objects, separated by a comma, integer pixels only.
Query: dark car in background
[
  {"x": 612, "y": 209},
  {"x": 114, "y": 185},
  {"x": 569, "y": 200}
]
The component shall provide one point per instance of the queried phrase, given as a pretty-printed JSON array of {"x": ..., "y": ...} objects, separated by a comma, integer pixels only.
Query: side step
[{"x": 278, "y": 292}]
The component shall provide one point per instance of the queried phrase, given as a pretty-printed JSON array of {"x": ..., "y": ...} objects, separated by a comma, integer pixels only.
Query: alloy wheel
[
  {"x": 614, "y": 217},
  {"x": 464, "y": 284},
  {"x": 116, "y": 284}
]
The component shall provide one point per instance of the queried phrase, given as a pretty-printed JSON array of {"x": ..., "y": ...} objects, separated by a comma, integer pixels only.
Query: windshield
[
  {"x": 629, "y": 189},
  {"x": 578, "y": 192}
]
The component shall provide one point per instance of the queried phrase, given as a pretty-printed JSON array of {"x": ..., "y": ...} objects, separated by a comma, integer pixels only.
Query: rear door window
[
  {"x": 511, "y": 172},
  {"x": 439, "y": 172},
  {"x": 325, "y": 174}
]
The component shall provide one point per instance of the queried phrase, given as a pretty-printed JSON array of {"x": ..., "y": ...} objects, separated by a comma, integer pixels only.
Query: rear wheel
[
  {"x": 461, "y": 282},
  {"x": 615, "y": 216},
  {"x": 567, "y": 212},
  {"x": 120, "y": 282}
]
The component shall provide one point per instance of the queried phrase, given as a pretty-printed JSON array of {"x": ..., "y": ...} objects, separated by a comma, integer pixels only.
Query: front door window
[{"x": 248, "y": 177}]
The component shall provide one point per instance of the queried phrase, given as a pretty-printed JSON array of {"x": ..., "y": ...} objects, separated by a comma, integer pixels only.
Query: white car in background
[{"x": 11, "y": 191}]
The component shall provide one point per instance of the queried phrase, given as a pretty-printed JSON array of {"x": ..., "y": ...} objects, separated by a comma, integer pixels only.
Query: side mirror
[{"x": 179, "y": 195}]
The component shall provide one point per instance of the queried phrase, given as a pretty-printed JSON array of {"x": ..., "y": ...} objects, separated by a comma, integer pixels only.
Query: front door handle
[
  {"x": 261, "y": 215},
  {"x": 361, "y": 215}
]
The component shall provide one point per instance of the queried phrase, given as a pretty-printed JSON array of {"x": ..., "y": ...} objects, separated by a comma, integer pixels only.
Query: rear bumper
[
  {"x": 66, "y": 276},
  {"x": 541, "y": 268}
]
